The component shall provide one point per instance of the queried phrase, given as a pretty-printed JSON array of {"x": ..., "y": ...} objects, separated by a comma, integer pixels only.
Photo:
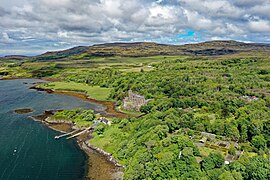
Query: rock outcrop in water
[{"x": 23, "y": 111}]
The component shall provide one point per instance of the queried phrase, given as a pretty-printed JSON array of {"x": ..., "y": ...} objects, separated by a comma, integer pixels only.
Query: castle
[{"x": 134, "y": 101}]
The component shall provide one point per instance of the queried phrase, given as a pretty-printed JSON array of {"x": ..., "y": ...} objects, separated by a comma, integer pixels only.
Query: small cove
[{"x": 27, "y": 148}]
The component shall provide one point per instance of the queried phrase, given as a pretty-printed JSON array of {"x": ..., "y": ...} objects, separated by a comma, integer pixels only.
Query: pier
[
  {"x": 75, "y": 135},
  {"x": 73, "y": 132},
  {"x": 67, "y": 134}
]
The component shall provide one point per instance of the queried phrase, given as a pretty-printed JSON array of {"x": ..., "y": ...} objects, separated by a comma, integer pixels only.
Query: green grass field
[
  {"x": 105, "y": 141},
  {"x": 205, "y": 151},
  {"x": 94, "y": 92},
  {"x": 56, "y": 68}
]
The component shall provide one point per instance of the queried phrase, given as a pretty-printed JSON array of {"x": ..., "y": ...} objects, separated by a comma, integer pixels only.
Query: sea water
[{"x": 28, "y": 149}]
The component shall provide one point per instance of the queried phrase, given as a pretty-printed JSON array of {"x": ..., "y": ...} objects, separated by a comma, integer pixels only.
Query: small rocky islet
[{"x": 23, "y": 111}]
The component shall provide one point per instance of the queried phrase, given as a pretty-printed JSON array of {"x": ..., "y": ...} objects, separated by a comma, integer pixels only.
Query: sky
[{"x": 31, "y": 27}]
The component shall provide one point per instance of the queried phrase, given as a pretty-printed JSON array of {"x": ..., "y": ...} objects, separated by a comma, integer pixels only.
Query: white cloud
[
  {"x": 217, "y": 8},
  {"x": 57, "y": 3},
  {"x": 62, "y": 34},
  {"x": 228, "y": 28},
  {"x": 248, "y": 3},
  {"x": 259, "y": 26},
  {"x": 55, "y": 24},
  {"x": 262, "y": 10},
  {"x": 197, "y": 21},
  {"x": 4, "y": 38}
]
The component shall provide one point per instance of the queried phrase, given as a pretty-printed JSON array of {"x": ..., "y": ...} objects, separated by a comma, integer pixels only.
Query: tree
[
  {"x": 258, "y": 168},
  {"x": 226, "y": 176},
  {"x": 237, "y": 175},
  {"x": 232, "y": 151},
  {"x": 231, "y": 131},
  {"x": 100, "y": 129},
  {"x": 208, "y": 164},
  {"x": 214, "y": 160},
  {"x": 258, "y": 141},
  {"x": 146, "y": 108},
  {"x": 214, "y": 174},
  {"x": 161, "y": 131}
]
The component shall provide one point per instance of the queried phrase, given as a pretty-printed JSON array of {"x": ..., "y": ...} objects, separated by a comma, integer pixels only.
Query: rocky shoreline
[
  {"x": 109, "y": 156},
  {"x": 110, "y": 106},
  {"x": 83, "y": 142},
  {"x": 118, "y": 174}
]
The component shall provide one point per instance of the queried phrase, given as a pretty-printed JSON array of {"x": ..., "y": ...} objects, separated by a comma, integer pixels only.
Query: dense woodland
[{"x": 226, "y": 96}]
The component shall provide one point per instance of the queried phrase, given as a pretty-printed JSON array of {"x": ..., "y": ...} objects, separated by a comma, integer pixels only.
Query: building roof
[{"x": 104, "y": 120}]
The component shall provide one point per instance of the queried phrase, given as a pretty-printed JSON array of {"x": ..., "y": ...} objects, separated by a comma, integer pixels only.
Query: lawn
[
  {"x": 105, "y": 141},
  {"x": 94, "y": 92},
  {"x": 204, "y": 151},
  {"x": 109, "y": 141}
]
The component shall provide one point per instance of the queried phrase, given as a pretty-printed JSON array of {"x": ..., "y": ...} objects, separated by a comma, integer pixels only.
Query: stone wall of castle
[{"x": 134, "y": 101}]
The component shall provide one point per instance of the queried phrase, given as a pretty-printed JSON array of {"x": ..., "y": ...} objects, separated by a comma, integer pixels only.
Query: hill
[{"x": 144, "y": 49}]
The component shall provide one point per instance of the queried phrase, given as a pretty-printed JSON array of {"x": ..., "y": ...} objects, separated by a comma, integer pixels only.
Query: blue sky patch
[{"x": 188, "y": 34}]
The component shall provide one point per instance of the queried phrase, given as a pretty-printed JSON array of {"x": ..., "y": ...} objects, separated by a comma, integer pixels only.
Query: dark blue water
[{"x": 38, "y": 155}]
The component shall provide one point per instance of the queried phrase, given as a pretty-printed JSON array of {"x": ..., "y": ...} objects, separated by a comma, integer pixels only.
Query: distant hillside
[
  {"x": 140, "y": 49},
  {"x": 224, "y": 47},
  {"x": 62, "y": 54},
  {"x": 13, "y": 57}
]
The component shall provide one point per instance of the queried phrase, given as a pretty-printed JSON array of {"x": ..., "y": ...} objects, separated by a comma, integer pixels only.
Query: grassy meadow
[{"x": 94, "y": 92}]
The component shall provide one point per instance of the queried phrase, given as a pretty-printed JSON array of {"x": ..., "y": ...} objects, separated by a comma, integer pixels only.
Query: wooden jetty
[
  {"x": 67, "y": 134},
  {"x": 75, "y": 135}
]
